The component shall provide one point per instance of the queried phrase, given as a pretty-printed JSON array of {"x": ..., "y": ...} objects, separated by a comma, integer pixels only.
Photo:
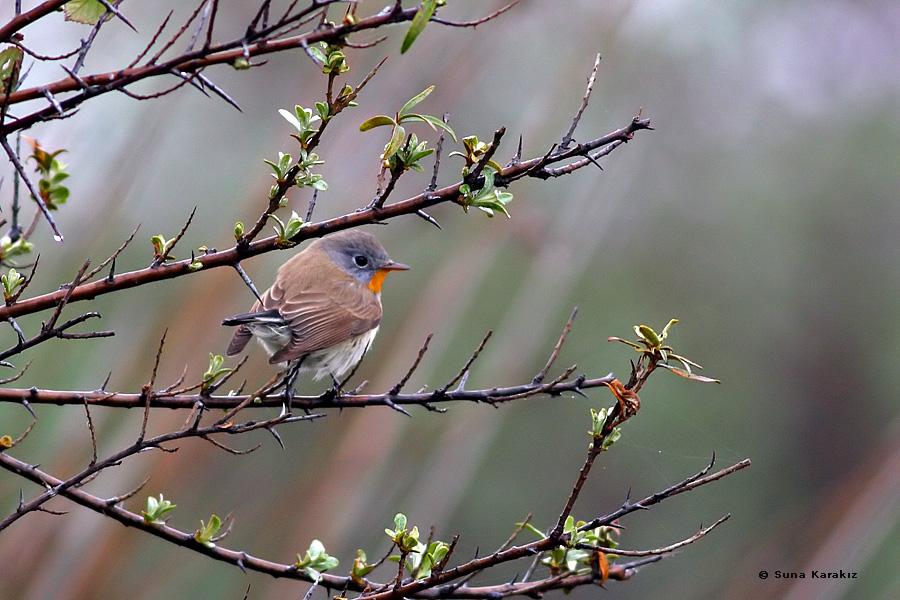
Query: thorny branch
[
  {"x": 438, "y": 585},
  {"x": 239, "y": 252},
  {"x": 263, "y": 37}
]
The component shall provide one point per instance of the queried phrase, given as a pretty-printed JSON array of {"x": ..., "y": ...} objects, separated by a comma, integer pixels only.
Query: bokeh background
[{"x": 763, "y": 212}]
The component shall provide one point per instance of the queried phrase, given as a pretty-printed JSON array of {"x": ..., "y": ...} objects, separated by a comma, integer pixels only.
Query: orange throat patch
[{"x": 378, "y": 280}]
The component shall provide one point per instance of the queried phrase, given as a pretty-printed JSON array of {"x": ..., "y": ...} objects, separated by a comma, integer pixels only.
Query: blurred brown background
[{"x": 762, "y": 212}]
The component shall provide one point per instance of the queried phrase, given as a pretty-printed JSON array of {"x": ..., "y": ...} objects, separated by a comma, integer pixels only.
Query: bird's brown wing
[{"x": 321, "y": 318}]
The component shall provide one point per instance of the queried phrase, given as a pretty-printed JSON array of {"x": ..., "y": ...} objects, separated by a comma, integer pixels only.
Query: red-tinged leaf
[
  {"x": 603, "y": 566},
  {"x": 691, "y": 376}
]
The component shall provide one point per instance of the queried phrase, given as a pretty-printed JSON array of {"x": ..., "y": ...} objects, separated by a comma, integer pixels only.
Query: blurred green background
[{"x": 762, "y": 212}]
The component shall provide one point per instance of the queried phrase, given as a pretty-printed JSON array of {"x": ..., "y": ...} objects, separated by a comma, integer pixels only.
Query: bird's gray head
[{"x": 361, "y": 256}]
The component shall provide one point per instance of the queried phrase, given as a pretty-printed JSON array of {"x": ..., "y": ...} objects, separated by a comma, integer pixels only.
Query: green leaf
[
  {"x": 691, "y": 376},
  {"x": 322, "y": 109},
  {"x": 433, "y": 121},
  {"x": 208, "y": 531},
  {"x": 423, "y": 15},
  {"x": 11, "y": 282},
  {"x": 155, "y": 510},
  {"x": 87, "y": 12},
  {"x": 400, "y": 522},
  {"x": 665, "y": 331},
  {"x": 377, "y": 121},
  {"x": 291, "y": 118},
  {"x": 317, "y": 52},
  {"x": 394, "y": 143},
  {"x": 315, "y": 560},
  {"x": 416, "y": 100},
  {"x": 611, "y": 439},
  {"x": 10, "y": 64}
]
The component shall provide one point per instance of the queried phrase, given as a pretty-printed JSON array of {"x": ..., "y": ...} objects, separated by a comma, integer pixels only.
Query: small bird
[{"x": 323, "y": 311}]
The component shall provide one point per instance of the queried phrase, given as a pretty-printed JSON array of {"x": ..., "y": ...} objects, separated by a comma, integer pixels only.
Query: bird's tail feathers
[{"x": 266, "y": 317}]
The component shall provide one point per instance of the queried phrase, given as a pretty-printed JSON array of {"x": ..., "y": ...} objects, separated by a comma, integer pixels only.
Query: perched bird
[{"x": 323, "y": 311}]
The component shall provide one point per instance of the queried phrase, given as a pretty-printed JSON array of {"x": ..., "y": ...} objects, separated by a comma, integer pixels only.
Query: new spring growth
[
  {"x": 651, "y": 345},
  {"x": 284, "y": 232},
  {"x": 10, "y": 249},
  {"x": 52, "y": 172},
  {"x": 332, "y": 57},
  {"x": 155, "y": 509},
  {"x": 215, "y": 370},
  {"x": 12, "y": 280},
  {"x": 161, "y": 247},
  {"x": 208, "y": 531},
  {"x": 315, "y": 560},
  {"x": 398, "y": 132},
  {"x": 488, "y": 198},
  {"x": 598, "y": 421}
]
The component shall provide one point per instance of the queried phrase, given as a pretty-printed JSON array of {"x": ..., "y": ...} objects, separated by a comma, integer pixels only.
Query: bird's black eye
[{"x": 360, "y": 260}]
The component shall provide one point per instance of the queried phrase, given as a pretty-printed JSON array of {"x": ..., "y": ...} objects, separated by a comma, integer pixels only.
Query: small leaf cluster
[
  {"x": 409, "y": 155},
  {"x": 281, "y": 171},
  {"x": 303, "y": 120},
  {"x": 475, "y": 150},
  {"x": 315, "y": 560},
  {"x": 12, "y": 280},
  {"x": 361, "y": 567},
  {"x": 420, "y": 558},
  {"x": 332, "y": 57},
  {"x": 488, "y": 198},
  {"x": 652, "y": 345},
  {"x": 284, "y": 232},
  {"x": 10, "y": 248},
  {"x": 598, "y": 421},
  {"x": 161, "y": 247},
  {"x": 571, "y": 558},
  {"x": 398, "y": 132},
  {"x": 156, "y": 509},
  {"x": 208, "y": 531},
  {"x": 215, "y": 370},
  {"x": 53, "y": 173}
]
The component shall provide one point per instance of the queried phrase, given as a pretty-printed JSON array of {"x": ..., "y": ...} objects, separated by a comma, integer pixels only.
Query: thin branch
[
  {"x": 476, "y": 22},
  {"x": 35, "y": 194},
  {"x": 472, "y": 358},
  {"x": 412, "y": 369},
  {"x": 247, "y": 281},
  {"x": 567, "y": 139},
  {"x": 556, "y": 348},
  {"x": 164, "y": 256}
]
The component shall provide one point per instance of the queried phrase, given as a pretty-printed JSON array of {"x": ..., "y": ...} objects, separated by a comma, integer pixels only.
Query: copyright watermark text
[{"x": 814, "y": 574}]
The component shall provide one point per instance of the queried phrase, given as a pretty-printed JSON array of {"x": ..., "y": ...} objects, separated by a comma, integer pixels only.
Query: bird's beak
[{"x": 394, "y": 266}]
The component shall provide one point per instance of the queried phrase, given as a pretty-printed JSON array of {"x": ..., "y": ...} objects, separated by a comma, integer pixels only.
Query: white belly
[{"x": 336, "y": 360}]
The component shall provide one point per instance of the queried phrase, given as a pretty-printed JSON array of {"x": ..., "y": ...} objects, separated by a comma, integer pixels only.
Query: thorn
[
  {"x": 276, "y": 436},
  {"x": 428, "y": 218}
]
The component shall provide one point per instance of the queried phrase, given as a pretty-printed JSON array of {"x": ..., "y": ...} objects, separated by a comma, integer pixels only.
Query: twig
[
  {"x": 412, "y": 369},
  {"x": 33, "y": 190},
  {"x": 113, "y": 256},
  {"x": 476, "y": 22},
  {"x": 554, "y": 354},
  {"x": 567, "y": 139},
  {"x": 247, "y": 281}
]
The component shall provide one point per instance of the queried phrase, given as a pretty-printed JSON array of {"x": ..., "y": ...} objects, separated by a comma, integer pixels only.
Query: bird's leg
[
  {"x": 332, "y": 393},
  {"x": 289, "y": 380}
]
